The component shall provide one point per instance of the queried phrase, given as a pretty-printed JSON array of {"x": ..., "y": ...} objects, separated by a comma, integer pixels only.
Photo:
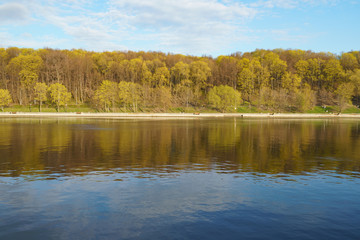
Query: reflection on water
[
  {"x": 64, "y": 147},
  {"x": 179, "y": 179}
]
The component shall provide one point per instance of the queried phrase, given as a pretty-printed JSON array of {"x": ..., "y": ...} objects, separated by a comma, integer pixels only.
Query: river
[{"x": 210, "y": 178}]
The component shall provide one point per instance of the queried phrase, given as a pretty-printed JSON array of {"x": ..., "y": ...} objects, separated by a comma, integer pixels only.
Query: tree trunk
[{"x": 20, "y": 97}]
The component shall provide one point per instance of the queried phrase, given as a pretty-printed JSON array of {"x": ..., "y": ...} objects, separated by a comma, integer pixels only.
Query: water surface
[{"x": 224, "y": 178}]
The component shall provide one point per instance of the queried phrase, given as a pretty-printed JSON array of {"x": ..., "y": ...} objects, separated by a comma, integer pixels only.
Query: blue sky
[{"x": 195, "y": 27}]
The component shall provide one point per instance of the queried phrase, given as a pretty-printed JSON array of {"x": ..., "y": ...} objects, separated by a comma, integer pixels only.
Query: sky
[{"x": 191, "y": 27}]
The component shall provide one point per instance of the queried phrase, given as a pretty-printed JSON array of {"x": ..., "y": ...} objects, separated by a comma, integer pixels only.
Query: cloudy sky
[{"x": 195, "y": 27}]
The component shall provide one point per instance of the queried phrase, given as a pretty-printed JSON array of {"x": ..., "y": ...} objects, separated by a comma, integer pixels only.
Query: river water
[{"x": 225, "y": 178}]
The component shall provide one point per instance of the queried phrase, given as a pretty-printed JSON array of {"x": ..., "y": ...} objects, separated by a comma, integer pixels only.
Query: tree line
[{"x": 274, "y": 80}]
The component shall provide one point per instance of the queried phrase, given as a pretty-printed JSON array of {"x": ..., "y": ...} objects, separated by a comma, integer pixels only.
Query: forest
[{"x": 126, "y": 81}]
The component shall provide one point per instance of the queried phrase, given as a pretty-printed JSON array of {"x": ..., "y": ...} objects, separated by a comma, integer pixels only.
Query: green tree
[
  {"x": 224, "y": 97},
  {"x": 136, "y": 69},
  {"x": 243, "y": 63},
  {"x": 147, "y": 81},
  {"x": 228, "y": 69},
  {"x": 302, "y": 69},
  {"x": 183, "y": 92},
  {"x": 130, "y": 94},
  {"x": 180, "y": 72},
  {"x": 3, "y": 62},
  {"x": 262, "y": 74},
  {"x": 315, "y": 72},
  {"x": 291, "y": 82},
  {"x": 27, "y": 68},
  {"x": 246, "y": 82},
  {"x": 40, "y": 93},
  {"x": 161, "y": 77},
  {"x": 333, "y": 73},
  {"x": 106, "y": 94},
  {"x": 267, "y": 98},
  {"x": 199, "y": 75},
  {"x": 59, "y": 95},
  {"x": 101, "y": 62},
  {"x": 305, "y": 99},
  {"x": 277, "y": 69},
  {"x": 355, "y": 79},
  {"x": 348, "y": 62},
  {"x": 163, "y": 97},
  {"x": 344, "y": 93},
  {"x": 5, "y": 98},
  {"x": 30, "y": 66}
]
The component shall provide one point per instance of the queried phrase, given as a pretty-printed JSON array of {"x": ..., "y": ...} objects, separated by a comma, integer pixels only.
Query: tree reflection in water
[{"x": 271, "y": 146}]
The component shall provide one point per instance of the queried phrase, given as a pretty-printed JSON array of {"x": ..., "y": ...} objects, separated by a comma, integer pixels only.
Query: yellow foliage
[
  {"x": 59, "y": 95},
  {"x": 106, "y": 94},
  {"x": 5, "y": 98},
  {"x": 224, "y": 97}
]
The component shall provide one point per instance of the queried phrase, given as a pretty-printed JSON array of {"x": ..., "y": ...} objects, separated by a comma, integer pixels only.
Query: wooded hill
[{"x": 273, "y": 80}]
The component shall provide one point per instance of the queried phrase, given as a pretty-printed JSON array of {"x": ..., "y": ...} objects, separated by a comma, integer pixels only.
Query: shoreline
[{"x": 173, "y": 115}]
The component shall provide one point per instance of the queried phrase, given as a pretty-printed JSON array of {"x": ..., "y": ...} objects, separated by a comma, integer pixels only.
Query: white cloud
[
  {"x": 190, "y": 26},
  {"x": 28, "y": 40},
  {"x": 180, "y": 26},
  {"x": 186, "y": 26},
  {"x": 160, "y": 13},
  {"x": 288, "y": 35},
  {"x": 82, "y": 27},
  {"x": 13, "y": 13},
  {"x": 289, "y": 4}
]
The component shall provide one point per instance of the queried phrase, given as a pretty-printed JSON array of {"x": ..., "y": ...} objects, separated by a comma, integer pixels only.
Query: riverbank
[{"x": 173, "y": 115}]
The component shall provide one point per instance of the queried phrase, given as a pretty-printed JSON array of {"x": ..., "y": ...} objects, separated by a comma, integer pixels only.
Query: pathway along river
[{"x": 227, "y": 178}]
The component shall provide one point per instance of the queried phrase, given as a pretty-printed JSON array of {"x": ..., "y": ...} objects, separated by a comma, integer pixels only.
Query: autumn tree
[
  {"x": 40, "y": 93},
  {"x": 5, "y": 98},
  {"x": 59, "y": 95}
]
